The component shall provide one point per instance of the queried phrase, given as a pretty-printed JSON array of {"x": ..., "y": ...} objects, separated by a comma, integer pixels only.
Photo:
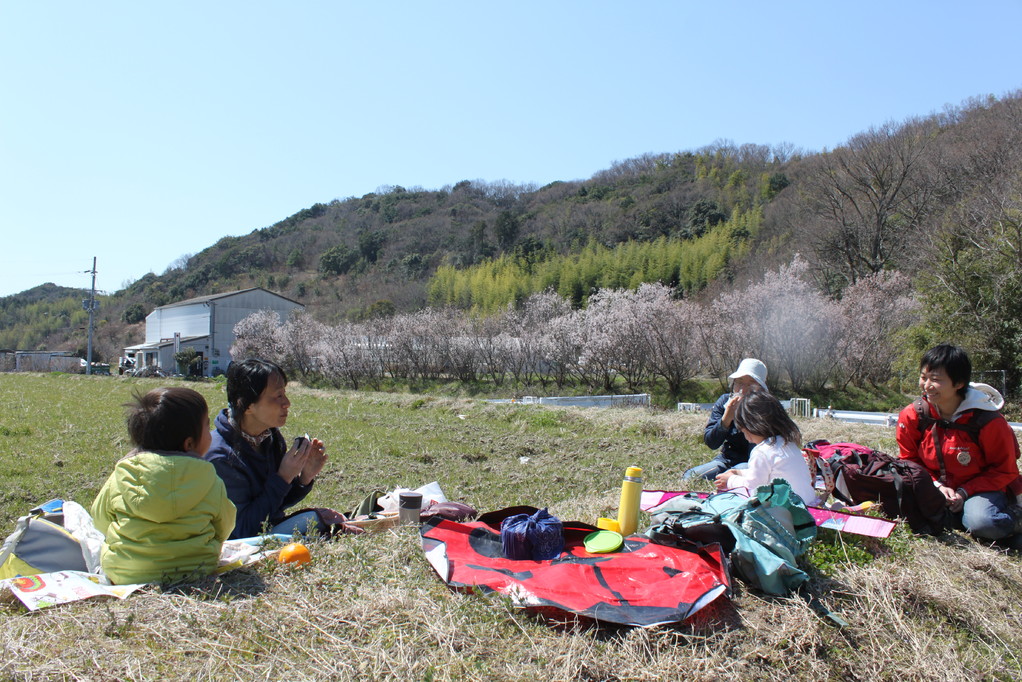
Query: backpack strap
[
  {"x": 899, "y": 482},
  {"x": 926, "y": 423},
  {"x": 819, "y": 608},
  {"x": 938, "y": 445},
  {"x": 977, "y": 420},
  {"x": 926, "y": 420}
]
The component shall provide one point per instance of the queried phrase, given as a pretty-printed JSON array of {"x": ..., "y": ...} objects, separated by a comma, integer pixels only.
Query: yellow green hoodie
[{"x": 165, "y": 517}]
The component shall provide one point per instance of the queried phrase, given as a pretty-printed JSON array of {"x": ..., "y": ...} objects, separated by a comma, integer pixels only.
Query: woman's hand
[
  {"x": 294, "y": 462},
  {"x": 314, "y": 461},
  {"x": 952, "y": 498},
  {"x": 722, "y": 479},
  {"x": 730, "y": 407},
  {"x": 955, "y": 500}
]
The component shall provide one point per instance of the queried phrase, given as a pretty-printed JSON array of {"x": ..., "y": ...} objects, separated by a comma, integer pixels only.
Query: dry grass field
[{"x": 370, "y": 607}]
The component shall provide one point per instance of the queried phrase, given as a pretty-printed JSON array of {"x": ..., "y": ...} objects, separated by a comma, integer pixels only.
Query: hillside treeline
[
  {"x": 344, "y": 256},
  {"x": 935, "y": 198},
  {"x": 641, "y": 340},
  {"x": 46, "y": 313}
]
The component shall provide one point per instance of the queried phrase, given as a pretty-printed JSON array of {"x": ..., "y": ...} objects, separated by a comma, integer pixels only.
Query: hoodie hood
[
  {"x": 182, "y": 480},
  {"x": 981, "y": 397}
]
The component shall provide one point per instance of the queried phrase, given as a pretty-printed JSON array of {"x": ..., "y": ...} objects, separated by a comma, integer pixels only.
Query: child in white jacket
[{"x": 777, "y": 452}]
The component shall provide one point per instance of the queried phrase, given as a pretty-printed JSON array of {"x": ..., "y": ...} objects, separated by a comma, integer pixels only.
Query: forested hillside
[{"x": 937, "y": 198}]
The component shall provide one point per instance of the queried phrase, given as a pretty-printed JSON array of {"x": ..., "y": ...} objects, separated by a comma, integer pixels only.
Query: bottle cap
[
  {"x": 608, "y": 524},
  {"x": 633, "y": 472}
]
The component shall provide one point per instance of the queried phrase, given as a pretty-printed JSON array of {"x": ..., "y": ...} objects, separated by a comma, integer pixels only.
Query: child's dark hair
[
  {"x": 762, "y": 414},
  {"x": 954, "y": 360},
  {"x": 246, "y": 381},
  {"x": 164, "y": 418}
]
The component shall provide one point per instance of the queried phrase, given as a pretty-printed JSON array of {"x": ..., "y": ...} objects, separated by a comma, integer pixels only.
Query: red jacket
[{"x": 989, "y": 466}]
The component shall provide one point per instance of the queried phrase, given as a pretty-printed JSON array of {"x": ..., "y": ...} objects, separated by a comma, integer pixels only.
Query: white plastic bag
[
  {"x": 431, "y": 492},
  {"x": 79, "y": 523}
]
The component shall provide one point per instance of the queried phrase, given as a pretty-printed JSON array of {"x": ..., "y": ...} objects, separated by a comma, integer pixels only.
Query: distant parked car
[
  {"x": 97, "y": 367},
  {"x": 148, "y": 371}
]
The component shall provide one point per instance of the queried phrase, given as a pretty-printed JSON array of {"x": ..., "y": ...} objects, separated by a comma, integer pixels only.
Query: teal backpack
[{"x": 762, "y": 535}]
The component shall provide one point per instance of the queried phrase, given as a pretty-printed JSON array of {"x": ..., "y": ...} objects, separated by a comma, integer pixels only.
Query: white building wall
[{"x": 188, "y": 320}]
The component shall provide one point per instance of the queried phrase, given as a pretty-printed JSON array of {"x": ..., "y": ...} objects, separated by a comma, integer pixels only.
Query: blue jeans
[
  {"x": 304, "y": 523},
  {"x": 712, "y": 469},
  {"x": 985, "y": 517}
]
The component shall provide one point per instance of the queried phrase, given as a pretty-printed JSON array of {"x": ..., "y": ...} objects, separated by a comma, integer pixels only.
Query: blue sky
[{"x": 142, "y": 132}]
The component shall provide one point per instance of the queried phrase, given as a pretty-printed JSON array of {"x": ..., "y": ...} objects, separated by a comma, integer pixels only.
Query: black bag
[{"x": 902, "y": 487}]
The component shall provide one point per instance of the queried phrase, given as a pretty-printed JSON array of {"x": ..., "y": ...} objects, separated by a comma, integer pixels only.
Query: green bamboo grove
[{"x": 686, "y": 264}]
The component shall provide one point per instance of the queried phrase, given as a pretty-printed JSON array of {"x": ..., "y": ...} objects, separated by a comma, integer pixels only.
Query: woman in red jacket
[{"x": 973, "y": 468}]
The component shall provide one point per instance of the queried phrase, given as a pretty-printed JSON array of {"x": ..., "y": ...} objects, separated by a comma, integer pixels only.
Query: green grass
[{"x": 370, "y": 607}]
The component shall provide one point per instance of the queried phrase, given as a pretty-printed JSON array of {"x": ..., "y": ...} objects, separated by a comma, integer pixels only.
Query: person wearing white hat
[{"x": 721, "y": 431}]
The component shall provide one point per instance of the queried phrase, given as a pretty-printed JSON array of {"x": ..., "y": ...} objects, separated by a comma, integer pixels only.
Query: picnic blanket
[{"x": 643, "y": 584}]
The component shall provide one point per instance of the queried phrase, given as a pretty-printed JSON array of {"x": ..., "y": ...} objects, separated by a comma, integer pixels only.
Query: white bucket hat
[{"x": 751, "y": 367}]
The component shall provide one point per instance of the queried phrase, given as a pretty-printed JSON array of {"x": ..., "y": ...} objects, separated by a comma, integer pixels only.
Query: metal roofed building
[{"x": 205, "y": 323}]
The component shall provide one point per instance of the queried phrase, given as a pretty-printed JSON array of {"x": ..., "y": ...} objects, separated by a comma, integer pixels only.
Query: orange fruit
[{"x": 294, "y": 553}]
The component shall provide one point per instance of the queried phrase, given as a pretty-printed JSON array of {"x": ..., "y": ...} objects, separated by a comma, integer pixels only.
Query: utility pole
[{"x": 89, "y": 304}]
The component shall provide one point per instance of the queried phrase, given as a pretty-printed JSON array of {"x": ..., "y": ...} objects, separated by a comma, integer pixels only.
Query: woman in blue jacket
[
  {"x": 263, "y": 477},
  {"x": 721, "y": 431}
]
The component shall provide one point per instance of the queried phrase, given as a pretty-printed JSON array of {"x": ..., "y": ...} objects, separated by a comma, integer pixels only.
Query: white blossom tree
[
  {"x": 669, "y": 333},
  {"x": 300, "y": 337},
  {"x": 873, "y": 311},
  {"x": 258, "y": 336},
  {"x": 347, "y": 358}
]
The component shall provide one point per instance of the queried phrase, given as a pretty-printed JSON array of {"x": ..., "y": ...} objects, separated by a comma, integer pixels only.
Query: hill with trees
[{"x": 936, "y": 198}]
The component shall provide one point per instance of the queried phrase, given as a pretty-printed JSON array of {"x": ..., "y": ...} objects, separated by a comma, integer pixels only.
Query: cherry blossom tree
[
  {"x": 258, "y": 336},
  {"x": 347, "y": 358},
  {"x": 782, "y": 320},
  {"x": 872, "y": 312},
  {"x": 493, "y": 346},
  {"x": 300, "y": 338},
  {"x": 726, "y": 333},
  {"x": 530, "y": 326},
  {"x": 614, "y": 333},
  {"x": 561, "y": 343},
  {"x": 668, "y": 334}
]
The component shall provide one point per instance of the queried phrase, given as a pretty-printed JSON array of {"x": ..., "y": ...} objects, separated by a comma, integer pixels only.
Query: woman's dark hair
[
  {"x": 164, "y": 418},
  {"x": 955, "y": 362},
  {"x": 246, "y": 381},
  {"x": 762, "y": 414}
]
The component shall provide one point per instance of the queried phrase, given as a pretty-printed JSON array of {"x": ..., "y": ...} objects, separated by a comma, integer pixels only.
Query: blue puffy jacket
[{"x": 250, "y": 475}]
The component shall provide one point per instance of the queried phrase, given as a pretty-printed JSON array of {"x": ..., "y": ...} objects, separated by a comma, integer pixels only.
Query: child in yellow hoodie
[{"x": 164, "y": 511}]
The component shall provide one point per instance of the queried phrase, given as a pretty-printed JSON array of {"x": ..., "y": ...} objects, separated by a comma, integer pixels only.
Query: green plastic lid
[{"x": 603, "y": 541}]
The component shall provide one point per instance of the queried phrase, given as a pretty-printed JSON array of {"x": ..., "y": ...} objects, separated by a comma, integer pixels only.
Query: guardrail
[
  {"x": 857, "y": 417},
  {"x": 799, "y": 407},
  {"x": 633, "y": 400}
]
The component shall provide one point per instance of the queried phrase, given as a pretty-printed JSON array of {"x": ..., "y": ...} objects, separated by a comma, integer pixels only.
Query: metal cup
[{"x": 409, "y": 506}]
